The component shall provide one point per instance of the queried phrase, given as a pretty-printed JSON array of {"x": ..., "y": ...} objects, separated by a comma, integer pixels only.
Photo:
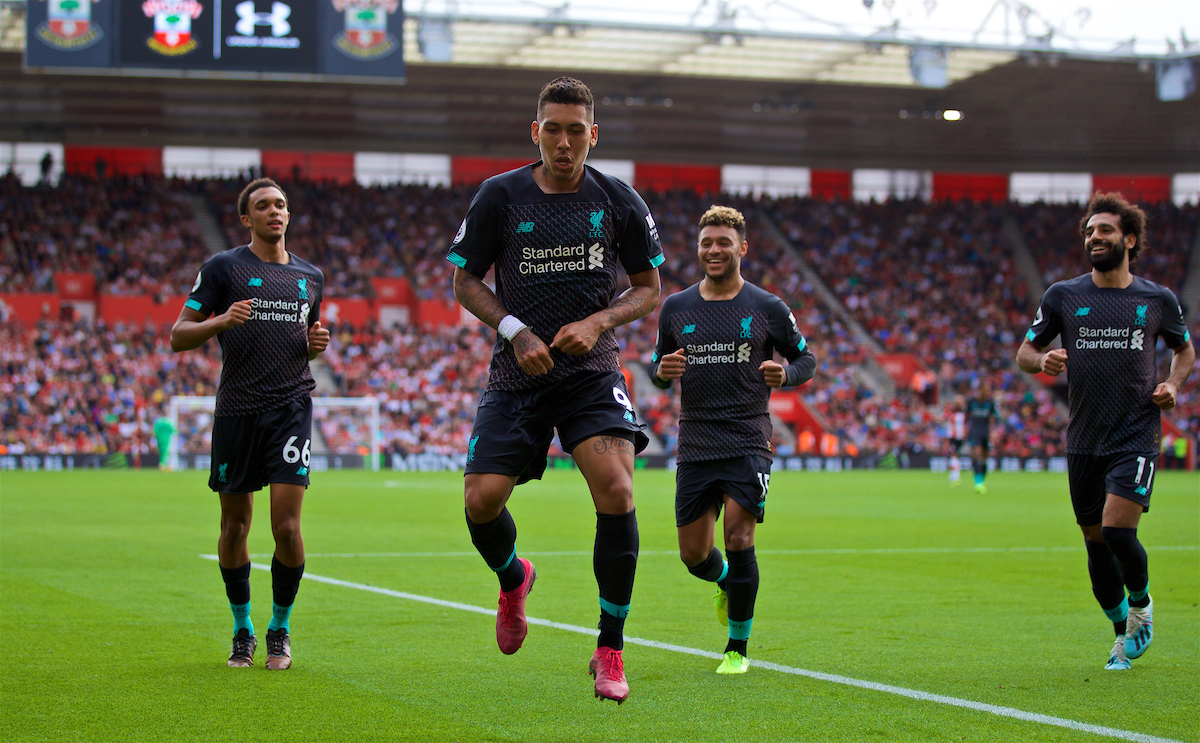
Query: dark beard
[{"x": 1110, "y": 259}]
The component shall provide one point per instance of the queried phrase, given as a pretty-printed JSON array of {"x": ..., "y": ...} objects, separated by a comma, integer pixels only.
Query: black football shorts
[
  {"x": 1129, "y": 475},
  {"x": 700, "y": 485},
  {"x": 250, "y": 451},
  {"x": 513, "y": 428}
]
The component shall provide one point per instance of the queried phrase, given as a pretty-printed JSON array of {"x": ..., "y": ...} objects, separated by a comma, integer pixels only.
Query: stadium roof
[{"x": 711, "y": 94}]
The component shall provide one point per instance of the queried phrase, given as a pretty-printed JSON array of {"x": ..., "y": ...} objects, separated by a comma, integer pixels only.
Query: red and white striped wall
[{"x": 26, "y": 159}]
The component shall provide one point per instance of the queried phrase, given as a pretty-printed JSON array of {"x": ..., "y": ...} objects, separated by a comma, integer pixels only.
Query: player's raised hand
[
  {"x": 1164, "y": 395},
  {"x": 318, "y": 339},
  {"x": 237, "y": 314},
  {"x": 1055, "y": 361},
  {"x": 576, "y": 338},
  {"x": 532, "y": 354},
  {"x": 672, "y": 366},
  {"x": 773, "y": 374}
]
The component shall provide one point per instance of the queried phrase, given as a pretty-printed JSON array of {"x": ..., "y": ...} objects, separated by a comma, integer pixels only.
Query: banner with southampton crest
[{"x": 284, "y": 39}]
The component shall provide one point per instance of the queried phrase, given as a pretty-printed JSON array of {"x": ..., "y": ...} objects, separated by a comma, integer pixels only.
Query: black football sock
[
  {"x": 237, "y": 589},
  {"x": 1130, "y": 553},
  {"x": 742, "y": 586},
  {"x": 614, "y": 561},
  {"x": 285, "y": 581},
  {"x": 497, "y": 544},
  {"x": 1107, "y": 586},
  {"x": 712, "y": 569}
]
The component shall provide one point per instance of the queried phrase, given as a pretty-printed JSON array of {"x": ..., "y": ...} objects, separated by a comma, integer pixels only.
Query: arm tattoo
[
  {"x": 479, "y": 300},
  {"x": 626, "y": 308},
  {"x": 611, "y": 445}
]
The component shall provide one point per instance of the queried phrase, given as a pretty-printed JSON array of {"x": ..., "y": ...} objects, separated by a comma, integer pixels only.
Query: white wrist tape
[{"x": 510, "y": 326}]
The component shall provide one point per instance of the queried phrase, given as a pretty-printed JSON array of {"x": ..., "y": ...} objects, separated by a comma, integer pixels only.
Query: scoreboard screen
[{"x": 303, "y": 39}]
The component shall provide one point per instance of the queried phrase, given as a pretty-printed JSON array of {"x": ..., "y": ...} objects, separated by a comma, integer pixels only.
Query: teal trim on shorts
[
  {"x": 192, "y": 304},
  {"x": 456, "y": 259},
  {"x": 620, "y": 612},
  {"x": 507, "y": 562},
  {"x": 1119, "y": 613},
  {"x": 740, "y": 630}
]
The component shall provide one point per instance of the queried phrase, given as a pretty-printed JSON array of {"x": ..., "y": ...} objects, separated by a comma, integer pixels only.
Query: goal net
[{"x": 345, "y": 433}]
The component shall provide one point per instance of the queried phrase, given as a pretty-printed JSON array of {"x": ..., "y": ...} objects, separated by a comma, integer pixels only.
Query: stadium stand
[{"x": 934, "y": 280}]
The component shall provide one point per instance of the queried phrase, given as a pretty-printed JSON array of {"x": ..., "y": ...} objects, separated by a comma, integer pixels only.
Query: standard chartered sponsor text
[
  {"x": 261, "y": 309},
  {"x": 547, "y": 260},
  {"x": 712, "y": 353},
  {"x": 1106, "y": 338}
]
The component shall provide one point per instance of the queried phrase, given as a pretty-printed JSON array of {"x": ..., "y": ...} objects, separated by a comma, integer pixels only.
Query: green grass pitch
[{"x": 115, "y": 628}]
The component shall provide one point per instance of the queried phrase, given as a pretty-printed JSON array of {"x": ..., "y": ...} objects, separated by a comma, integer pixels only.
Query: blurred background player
[
  {"x": 1108, "y": 320},
  {"x": 555, "y": 231},
  {"x": 956, "y": 434},
  {"x": 981, "y": 411},
  {"x": 164, "y": 436},
  {"x": 718, "y": 338},
  {"x": 263, "y": 304}
]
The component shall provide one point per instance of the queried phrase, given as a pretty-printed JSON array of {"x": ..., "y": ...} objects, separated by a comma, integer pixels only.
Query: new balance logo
[
  {"x": 302, "y": 471},
  {"x": 689, "y": 329},
  {"x": 524, "y": 227},
  {"x": 628, "y": 416},
  {"x": 277, "y": 19},
  {"x": 595, "y": 256},
  {"x": 1141, "y": 490},
  {"x": 1082, "y": 311},
  {"x": 743, "y": 353},
  {"x": 254, "y": 282}
]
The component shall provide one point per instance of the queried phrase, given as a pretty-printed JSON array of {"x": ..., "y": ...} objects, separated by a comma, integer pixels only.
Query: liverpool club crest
[
  {"x": 69, "y": 25},
  {"x": 172, "y": 25},
  {"x": 366, "y": 36}
]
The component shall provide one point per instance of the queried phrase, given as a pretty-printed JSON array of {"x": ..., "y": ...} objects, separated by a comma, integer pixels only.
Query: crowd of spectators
[
  {"x": 933, "y": 280},
  {"x": 135, "y": 234},
  {"x": 71, "y": 388}
]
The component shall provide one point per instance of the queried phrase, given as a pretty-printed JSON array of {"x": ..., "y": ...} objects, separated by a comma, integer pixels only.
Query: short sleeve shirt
[
  {"x": 265, "y": 361},
  {"x": 1109, "y": 337},
  {"x": 556, "y": 258},
  {"x": 723, "y": 397}
]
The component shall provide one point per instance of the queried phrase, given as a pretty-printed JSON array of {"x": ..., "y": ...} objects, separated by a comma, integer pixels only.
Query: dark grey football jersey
[
  {"x": 1109, "y": 337},
  {"x": 265, "y": 361},
  {"x": 556, "y": 258},
  {"x": 723, "y": 399}
]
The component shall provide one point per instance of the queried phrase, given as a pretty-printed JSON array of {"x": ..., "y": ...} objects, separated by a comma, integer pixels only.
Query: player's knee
[
  {"x": 693, "y": 555},
  {"x": 286, "y": 531},
  {"x": 234, "y": 527},
  {"x": 737, "y": 540}
]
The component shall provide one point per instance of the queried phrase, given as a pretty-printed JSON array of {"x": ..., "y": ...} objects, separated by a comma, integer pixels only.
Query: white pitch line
[
  {"x": 993, "y": 709},
  {"x": 846, "y": 551}
]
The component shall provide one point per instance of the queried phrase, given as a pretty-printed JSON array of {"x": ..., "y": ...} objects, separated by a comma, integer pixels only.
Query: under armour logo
[
  {"x": 743, "y": 352},
  {"x": 595, "y": 257},
  {"x": 1137, "y": 340},
  {"x": 276, "y": 19}
]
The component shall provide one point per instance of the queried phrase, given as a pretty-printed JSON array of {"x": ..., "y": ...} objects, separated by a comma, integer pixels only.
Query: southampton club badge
[
  {"x": 69, "y": 25},
  {"x": 172, "y": 25},
  {"x": 366, "y": 36}
]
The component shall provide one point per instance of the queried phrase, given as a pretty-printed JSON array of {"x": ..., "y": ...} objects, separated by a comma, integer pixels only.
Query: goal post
[{"x": 345, "y": 432}]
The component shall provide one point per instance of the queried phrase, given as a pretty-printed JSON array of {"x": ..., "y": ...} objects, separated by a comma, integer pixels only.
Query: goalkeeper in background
[{"x": 263, "y": 305}]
